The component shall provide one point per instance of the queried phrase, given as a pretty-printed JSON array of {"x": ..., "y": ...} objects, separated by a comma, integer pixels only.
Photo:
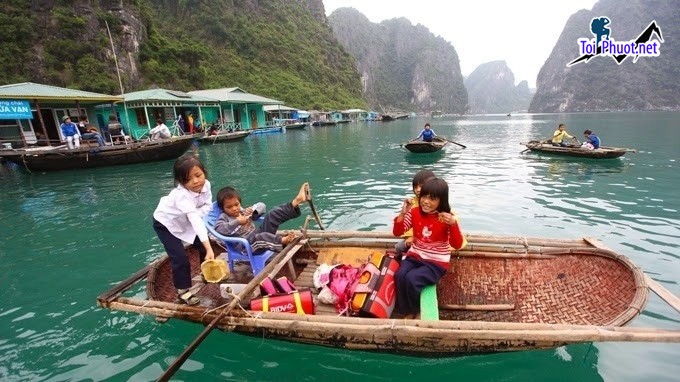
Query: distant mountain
[
  {"x": 402, "y": 66},
  {"x": 600, "y": 84},
  {"x": 491, "y": 89},
  {"x": 282, "y": 49}
]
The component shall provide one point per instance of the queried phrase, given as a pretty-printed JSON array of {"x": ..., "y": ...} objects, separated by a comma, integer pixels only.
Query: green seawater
[{"x": 68, "y": 236}]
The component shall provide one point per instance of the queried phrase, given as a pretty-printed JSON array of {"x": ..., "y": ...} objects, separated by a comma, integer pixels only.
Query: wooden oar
[
  {"x": 456, "y": 143},
  {"x": 267, "y": 271},
  {"x": 311, "y": 205}
]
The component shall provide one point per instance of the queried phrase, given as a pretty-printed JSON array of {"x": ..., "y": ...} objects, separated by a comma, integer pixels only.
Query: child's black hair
[
  {"x": 421, "y": 176},
  {"x": 226, "y": 193},
  {"x": 437, "y": 189},
  {"x": 183, "y": 166},
  {"x": 587, "y": 132}
]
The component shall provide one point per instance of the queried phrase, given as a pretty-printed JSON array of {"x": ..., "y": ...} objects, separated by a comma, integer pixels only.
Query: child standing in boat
[
  {"x": 237, "y": 221},
  {"x": 417, "y": 184},
  {"x": 435, "y": 228},
  {"x": 179, "y": 218}
]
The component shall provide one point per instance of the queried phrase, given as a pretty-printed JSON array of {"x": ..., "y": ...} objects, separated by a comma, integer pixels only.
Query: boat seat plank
[{"x": 429, "y": 306}]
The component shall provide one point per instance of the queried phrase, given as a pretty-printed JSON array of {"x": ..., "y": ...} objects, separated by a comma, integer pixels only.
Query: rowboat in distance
[
  {"x": 266, "y": 130},
  {"x": 295, "y": 125},
  {"x": 500, "y": 293},
  {"x": 576, "y": 151},
  {"x": 223, "y": 136},
  {"x": 57, "y": 158},
  {"x": 324, "y": 123},
  {"x": 420, "y": 146}
]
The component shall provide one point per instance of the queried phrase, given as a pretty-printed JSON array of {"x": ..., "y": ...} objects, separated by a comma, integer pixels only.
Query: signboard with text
[{"x": 15, "y": 109}]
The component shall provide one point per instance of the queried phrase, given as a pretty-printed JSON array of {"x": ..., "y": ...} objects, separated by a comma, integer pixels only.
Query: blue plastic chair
[{"x": 232, "y": 244}]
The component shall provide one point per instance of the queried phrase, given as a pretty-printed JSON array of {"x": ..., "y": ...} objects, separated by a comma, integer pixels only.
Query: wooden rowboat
[
  {"x": 295, "y": 126},
  {"x": 225, "y": 137},
  {"x": 576, "y": 151},
  {"x": 500, "y": 294},
  {"x": 420, "y": 146},
  {"x": 61, "y": 158}
]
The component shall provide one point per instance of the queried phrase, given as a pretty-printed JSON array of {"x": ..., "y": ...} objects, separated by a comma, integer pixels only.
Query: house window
[{"x": 141, "y": 117}]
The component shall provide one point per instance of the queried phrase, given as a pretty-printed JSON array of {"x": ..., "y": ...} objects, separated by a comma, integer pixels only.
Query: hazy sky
[{"x": 521, "y": 32}]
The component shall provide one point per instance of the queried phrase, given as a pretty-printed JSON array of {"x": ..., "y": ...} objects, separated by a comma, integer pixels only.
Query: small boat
[
  {"x": 57, "y": 158},
  {"x": 500, "y": 293},
  {"x": 267, "y": 130},
  {"x": 225, "y": 137},
  {"x": 576, "y": 151},
  {"x": 324, "y": 123},
  {"x": 295, "y": 126},
  {"x": 420, "y": 146}
]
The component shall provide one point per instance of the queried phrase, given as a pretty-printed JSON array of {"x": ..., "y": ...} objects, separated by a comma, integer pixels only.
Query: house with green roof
[
  {"x": 31, "y": 113},
  {"x": 139, "y": 111},
  {"x": 238, "y": 109}
]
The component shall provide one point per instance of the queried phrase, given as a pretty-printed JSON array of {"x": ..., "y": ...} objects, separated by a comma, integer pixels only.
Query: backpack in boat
[{"x": 375, "y": 292}]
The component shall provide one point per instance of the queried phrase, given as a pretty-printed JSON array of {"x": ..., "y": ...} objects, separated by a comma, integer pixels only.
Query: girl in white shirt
[{"x": 179, "y": 218}]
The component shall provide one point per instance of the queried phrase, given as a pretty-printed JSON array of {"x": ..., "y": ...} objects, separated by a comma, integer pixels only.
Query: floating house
[
  {"x": 139, "y": 110},
  {"x": 339, "y": 116},
  {"x": 238, "y": 109},
  {"x": 356, "y": 115},
  {"x": 31, "y": 113},
  {"x": 276, "y": 114}
]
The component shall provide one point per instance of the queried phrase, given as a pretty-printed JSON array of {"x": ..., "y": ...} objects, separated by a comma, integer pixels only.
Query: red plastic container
[{"x": 300, "y": 302}]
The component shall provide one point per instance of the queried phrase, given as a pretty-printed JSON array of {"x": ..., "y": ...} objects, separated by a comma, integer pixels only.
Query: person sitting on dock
[
  {"x": 592, "y": 140},
  {"x": 560, "y": 135},
  {"x": 70, "y": 132},
  {"x": 161, "y": 131},
  {"x": 89, "y": 132},
  {"x": 427, "y": 133},
  {"x": 238, "y": 222}
]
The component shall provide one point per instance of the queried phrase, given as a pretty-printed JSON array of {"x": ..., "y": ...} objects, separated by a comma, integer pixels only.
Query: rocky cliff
[
  {"x": 601, "y": 84},
  {"x": 491, "y": 89},
  {"x": 282, "y": 49},
  {"x": 401, "y": 66}
]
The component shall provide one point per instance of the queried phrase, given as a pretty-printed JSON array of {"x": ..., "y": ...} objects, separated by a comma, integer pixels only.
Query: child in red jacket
[{"x": 435, "y": 230}]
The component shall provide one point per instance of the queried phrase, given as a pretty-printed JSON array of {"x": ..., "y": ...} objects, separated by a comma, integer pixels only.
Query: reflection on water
[
  {"x": 580, "y": 168},
  {"x": 424, "y": 159},
  {"x": 83, "y": 231}
]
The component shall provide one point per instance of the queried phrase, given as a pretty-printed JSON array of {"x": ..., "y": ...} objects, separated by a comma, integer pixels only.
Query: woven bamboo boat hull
[{"x": 499, "y": 294}]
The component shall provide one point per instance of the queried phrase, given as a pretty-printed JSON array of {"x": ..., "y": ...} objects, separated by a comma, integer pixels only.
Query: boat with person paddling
[{"x": 603, "y": 152}]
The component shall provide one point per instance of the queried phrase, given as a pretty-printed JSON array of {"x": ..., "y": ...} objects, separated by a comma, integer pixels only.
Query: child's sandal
[{"x": 189, "y": 298}]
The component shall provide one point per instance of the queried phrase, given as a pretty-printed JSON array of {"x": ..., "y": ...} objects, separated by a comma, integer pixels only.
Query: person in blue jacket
[
  {"x": 593, "y": 142},
  {"x": 70, "y": 132},
  {"x": 427, "y": 133}
]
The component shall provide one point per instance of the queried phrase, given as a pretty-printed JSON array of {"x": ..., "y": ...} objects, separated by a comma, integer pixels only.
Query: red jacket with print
[{"x": 431, "y": 237}]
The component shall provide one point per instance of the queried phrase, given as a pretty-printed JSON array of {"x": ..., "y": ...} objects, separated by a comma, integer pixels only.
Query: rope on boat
[
  {"x": 524, "y": 242},
  {"x": 23, "y": 159}
]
